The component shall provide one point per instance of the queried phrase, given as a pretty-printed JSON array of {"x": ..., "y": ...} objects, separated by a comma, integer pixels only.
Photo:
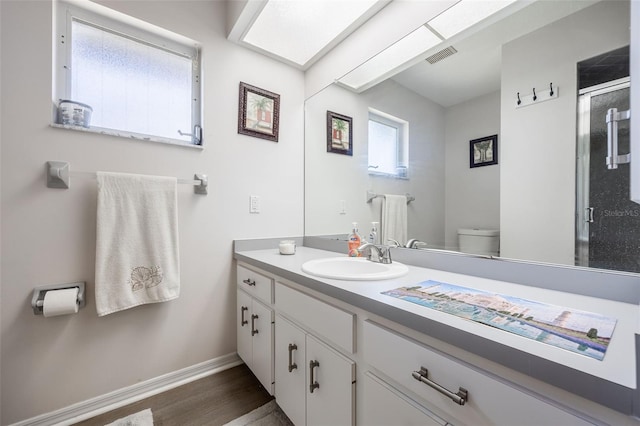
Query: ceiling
[
  {"x": 299, "y": 32},
  {"x": 475, "y": 69},
  {"x": 471, "y": 72}
]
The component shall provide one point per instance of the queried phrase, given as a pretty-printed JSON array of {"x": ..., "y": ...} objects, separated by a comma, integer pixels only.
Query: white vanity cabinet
[
  {"x": 314, "y": 383},
  {"x": 488, "y": 400},
  {"x": 255, "y": 325},
  {"x": 307, "y": 349}
]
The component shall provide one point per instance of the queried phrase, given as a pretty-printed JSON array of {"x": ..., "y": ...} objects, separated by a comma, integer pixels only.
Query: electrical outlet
[{"x": 254, "y": 204}]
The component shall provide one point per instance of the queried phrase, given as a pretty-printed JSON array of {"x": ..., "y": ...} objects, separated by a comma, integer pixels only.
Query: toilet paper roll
[{"x": 60, "y": 302}]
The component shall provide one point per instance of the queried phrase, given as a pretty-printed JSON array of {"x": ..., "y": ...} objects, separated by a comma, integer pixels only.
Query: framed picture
[
  {"x": 258, "y": 112},
  {"x": 483, "y": 151},
  {"x": 339, "y": 133}
]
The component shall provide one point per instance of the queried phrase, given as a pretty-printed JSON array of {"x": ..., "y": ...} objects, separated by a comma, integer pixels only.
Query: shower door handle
[
  {"x": 612, "y": 118},
  {"x": 588, "y": 215}
]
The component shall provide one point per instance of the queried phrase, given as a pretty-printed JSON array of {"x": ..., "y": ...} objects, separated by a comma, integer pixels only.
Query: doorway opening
[{"x": 607, "y": 222}]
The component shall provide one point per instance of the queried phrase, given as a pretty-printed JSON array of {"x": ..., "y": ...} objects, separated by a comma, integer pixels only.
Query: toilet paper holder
[{"x": 37, "y": 301}]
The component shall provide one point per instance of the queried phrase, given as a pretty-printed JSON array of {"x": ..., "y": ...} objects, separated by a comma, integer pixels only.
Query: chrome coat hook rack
[{"x": 536, "y": 97}]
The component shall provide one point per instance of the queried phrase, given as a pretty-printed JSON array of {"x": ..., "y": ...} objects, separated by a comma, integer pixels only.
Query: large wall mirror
[{"x": 541, "y": 186}]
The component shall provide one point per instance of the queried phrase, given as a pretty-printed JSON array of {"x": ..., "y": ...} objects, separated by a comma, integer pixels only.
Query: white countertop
[{"x": 618, "y": 365}]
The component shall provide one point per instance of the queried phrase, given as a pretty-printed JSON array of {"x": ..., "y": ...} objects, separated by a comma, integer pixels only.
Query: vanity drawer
[
  {"x": 383, "y": 405},
  {"x": 327, "y": 321},
  {"x": 256, "y": 284},
  {"x": 490, "y": 400}
]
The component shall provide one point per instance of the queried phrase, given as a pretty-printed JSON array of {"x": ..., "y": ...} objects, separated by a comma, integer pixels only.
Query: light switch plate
[{"x": 254, "y": 204}]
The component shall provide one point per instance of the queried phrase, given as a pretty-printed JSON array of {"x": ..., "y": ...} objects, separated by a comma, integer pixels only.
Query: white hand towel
[
  {"x": 137, "y": 256},
  {"x": 394, "y": 218}
]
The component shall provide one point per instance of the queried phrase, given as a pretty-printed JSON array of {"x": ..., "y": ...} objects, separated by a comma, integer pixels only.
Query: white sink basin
[{"x": 353, "y": 269}]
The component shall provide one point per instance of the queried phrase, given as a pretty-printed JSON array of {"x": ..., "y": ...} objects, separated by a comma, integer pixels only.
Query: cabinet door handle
[
  {"x": 248, "y": 281},
  {"x": 314, "y": 384},
  {"x": 459, "y": 398},
  {"x": 253, "y": 326},
  {"x": 292, "y": 365},
  {"x": 242, "y": 320}
]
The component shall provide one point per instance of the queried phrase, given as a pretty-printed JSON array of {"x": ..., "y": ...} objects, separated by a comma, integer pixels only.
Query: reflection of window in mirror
[{"x": 388, "y": 145}]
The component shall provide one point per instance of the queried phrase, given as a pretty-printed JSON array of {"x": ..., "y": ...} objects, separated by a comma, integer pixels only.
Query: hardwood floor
[{"x": 213, "y": 400}]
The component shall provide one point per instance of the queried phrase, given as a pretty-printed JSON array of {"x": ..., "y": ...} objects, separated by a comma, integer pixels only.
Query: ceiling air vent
[{"x": 444, "y": 53}]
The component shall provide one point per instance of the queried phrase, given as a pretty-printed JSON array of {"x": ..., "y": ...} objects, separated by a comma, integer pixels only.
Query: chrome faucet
[
  {"x": 415, "y": 243},
  {"x": 394, "y": 243},
  {"x": 383, "y": 252}
]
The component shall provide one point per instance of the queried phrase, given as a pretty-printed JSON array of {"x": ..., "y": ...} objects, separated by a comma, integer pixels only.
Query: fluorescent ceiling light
[
  {"x": 464, "y": 14},
  {"x": 385, "y": 62},
  {"x": 299, "y": 30}
]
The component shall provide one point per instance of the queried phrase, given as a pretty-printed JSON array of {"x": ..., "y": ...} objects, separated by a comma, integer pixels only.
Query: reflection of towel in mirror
[
  {"x": 137, "y": 257},
  {"x": 394, "y": 218}
]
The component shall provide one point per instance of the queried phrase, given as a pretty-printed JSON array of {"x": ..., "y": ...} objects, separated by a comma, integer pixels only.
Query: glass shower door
[{"x": 607, "y": 222}]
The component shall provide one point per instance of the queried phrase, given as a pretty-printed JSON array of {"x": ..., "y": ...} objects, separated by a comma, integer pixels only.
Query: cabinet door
[
  {"x": 261, "y": 322},
  {"x": 330, "y": 402},
  {"x": 290, "y": 370},
  {"x": 243, "y": 327},
  {"x": 384, "y": 405}
]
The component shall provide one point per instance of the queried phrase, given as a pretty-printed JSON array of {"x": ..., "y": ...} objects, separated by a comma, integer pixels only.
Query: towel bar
[
  {"x": 58, "y": 177},
  {"x": 371, "y": 195}
]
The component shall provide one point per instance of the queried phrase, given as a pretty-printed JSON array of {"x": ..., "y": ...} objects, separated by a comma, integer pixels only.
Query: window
[
  {"x": 388, "y": 145},
  {"x": 138, "y": 83}
]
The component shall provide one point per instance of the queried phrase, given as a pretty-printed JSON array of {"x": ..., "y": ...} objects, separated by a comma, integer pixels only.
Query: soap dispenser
[
  {"x": 373, "y": 235},
  {"x": 354, "y": 241}
]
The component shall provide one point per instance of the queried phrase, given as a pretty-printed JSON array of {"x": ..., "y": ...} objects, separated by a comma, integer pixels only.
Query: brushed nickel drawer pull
[
  {"x": 459, "y": 398},
  {"x": 292, "y": 365},
  {"x": 253, "y": 327},
  {"x": 314, "y": 384},
  {"x": 248, "y": 281},
  {"x": 242, "y": 320}
]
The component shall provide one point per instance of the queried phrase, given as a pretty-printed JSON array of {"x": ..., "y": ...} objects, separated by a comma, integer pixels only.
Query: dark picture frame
[
  {"x": 258, "y": 112},
  {"x": 483, "y": 151},
  {"x": 339, "y": 133}
]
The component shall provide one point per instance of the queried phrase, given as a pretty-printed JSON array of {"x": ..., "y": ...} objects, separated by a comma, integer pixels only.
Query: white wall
[
  {"x": 538, "y": 143},
  {"x": 425, "y": 215},
  {"x": 48, "y": 235},
  {"x": 472, "y": 194},
  {"x": 333, "y": 177}
]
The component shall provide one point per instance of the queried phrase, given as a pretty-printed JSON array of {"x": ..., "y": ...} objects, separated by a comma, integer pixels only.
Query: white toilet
[{"x": 479, "y": 241}]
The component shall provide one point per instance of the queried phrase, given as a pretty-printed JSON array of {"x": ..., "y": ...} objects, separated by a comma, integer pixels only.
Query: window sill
[
  {"x": 388, "y": 175},
  {"x": 127, "y": 135}
]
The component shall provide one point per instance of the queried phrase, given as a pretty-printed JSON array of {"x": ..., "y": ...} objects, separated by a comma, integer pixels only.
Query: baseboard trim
[{"x": 130, "y": 394}]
